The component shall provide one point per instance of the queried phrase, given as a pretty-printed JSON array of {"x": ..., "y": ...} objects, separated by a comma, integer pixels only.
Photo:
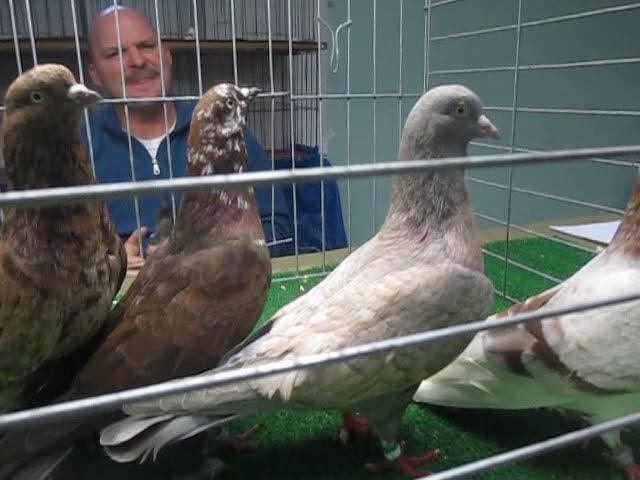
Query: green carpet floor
[{"x": 302, "y": 445}]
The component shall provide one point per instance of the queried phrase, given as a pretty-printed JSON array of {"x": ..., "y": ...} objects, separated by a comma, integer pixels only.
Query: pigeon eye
[
  {"x": 36, "y": 97},
  {"x": 231, "y": 103},
  {"x": 460, "y": 110}
]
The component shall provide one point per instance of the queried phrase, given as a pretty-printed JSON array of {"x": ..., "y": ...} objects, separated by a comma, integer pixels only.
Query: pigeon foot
[
  {"x": 356, "y": 426},
  {"x": 404, "y": 464}
]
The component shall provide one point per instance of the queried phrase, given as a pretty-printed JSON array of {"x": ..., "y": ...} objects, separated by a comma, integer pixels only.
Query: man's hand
[{"x": 132, "y": 246}]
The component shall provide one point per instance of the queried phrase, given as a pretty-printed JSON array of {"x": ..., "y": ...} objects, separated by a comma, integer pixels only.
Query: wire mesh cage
[{"x": 339, "y": 79}]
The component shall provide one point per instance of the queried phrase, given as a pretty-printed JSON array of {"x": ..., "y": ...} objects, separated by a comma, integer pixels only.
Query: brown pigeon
[
  {"x": 422, "y": 270},
  {"x": 196, "y": 297},
  {"x": 60, "y": 266}
]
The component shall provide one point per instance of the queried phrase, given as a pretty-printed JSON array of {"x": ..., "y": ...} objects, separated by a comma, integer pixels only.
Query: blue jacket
[{"x": 111, "y": 154}]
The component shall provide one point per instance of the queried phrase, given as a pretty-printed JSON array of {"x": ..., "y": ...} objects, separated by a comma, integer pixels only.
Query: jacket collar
[{"x": 110, "y": 120}]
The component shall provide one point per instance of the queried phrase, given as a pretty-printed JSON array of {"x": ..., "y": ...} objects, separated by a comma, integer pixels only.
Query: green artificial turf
[{"x": 302, "y": 444}]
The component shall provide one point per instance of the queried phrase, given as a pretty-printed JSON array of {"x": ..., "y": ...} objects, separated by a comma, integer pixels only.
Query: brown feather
[
  {"x": 60, "y": 266},
  {"x": 510, "y": 343}
]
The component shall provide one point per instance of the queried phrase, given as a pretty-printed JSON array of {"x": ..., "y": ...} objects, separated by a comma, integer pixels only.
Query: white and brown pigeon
[
  {"x": 584, "y": 362},
  {"x": 422, "y": 270}
]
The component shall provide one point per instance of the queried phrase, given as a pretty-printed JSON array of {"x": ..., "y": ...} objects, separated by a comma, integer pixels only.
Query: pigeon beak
[
  {"x": 487, "y": 129},
  {"x": 249, "y": 92},
  {"x": 82, "y": 95}
]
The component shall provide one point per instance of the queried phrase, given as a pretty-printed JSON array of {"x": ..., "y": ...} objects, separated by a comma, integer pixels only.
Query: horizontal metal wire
[
  {"x": 579, "y": 111},
  {"x": 181, "y": 98},
  {"x": 608, "y": 161},
  {"x": 367, "y": 96},
  {"x": 64, "y": 195},
  {"x": 535, "y": 449},
  {"x": 589, "y": 13},
  {"x": 473, "y": 33},
  {"x": 532, "y": 23},
  {"x": 112, "y": 401},
  {"x": 540, "y": 66},
  {"x": 442, "y": 2},
  {"x": 533, "y": 232},
  {"x": 355, "y": 96},
  {"x": 549, "y": 196},
  {"x": 522, "y": 266}
]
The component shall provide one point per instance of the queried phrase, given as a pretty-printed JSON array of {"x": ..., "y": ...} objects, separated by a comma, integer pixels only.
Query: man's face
[{"x": 141, "y": 56}]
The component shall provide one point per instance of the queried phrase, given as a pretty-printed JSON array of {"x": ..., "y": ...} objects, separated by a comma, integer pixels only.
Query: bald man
[{"x": 143, "y": 61}]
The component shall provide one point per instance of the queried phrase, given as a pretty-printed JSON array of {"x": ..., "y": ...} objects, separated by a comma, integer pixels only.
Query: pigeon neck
[
  {"x": 215, "y": 154},
  {"x": 428, "y": 199},
  {"x": 220, "y": 215},
  {"x": 627, "y": 237},
  {"x": 229, "y": 212},
  {"x": 58, "y": 159}
]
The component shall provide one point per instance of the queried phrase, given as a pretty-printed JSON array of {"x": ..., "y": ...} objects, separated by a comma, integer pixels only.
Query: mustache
[{"x": 145, "y": 74}]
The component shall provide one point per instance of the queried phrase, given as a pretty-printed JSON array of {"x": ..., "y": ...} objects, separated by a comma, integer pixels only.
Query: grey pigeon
[
  {"x": 583, "y": 362},
  {"x": 423, "y": 270}
]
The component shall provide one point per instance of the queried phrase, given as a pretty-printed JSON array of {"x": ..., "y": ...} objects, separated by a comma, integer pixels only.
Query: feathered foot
[
  {"x": 396, "y": 460},
  {"x": 356, "y": 426}
]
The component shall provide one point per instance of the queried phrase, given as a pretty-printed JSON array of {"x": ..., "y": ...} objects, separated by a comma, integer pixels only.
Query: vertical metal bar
[
  {"x": 198, "y": 53},
  {"x": 427, "y": 46},
  {"x": 164, "y": 104},
  {"x": 320, "y": 138},
  {"x": 233, "y": 42},
  {"x": 14, "y": 30},
  {"x": 27, "y": 5},
  {"x": 273, "y": 120},
  {"x": 349, "y": 125},
  {"x": 76, "y": 36},
  {"x": 512, "y": 146},
  {"x": 400, "y": 78},
  {"x": 292, "y": 139},
  {"x": 375, "y": 88},
  {"x": 127, "y": 123}
]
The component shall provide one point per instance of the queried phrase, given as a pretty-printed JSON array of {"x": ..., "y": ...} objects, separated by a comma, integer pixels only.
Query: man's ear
[{"x": 95, "y": 77}]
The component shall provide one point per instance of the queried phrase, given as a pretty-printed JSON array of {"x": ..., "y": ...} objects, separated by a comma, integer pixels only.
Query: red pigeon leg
[
  {"x": 356, "y": 426},
  {"x": 398, "y": 461}
]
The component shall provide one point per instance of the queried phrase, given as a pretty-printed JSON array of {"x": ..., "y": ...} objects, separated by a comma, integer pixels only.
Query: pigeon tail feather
[{"x": 475, "y": 381}]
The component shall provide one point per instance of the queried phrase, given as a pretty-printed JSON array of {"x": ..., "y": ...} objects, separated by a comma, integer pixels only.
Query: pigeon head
[
  {"x": 443, "y": 122},
  {"x": 216, "y": 138},
  {"x": 46, "y": 97},
  {"x": 41, "y": 138},
  {"x": 217, "y": 146}
]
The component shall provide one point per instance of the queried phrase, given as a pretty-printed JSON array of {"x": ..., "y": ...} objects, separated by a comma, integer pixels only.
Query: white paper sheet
[{"x": 601, "y": 232}]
